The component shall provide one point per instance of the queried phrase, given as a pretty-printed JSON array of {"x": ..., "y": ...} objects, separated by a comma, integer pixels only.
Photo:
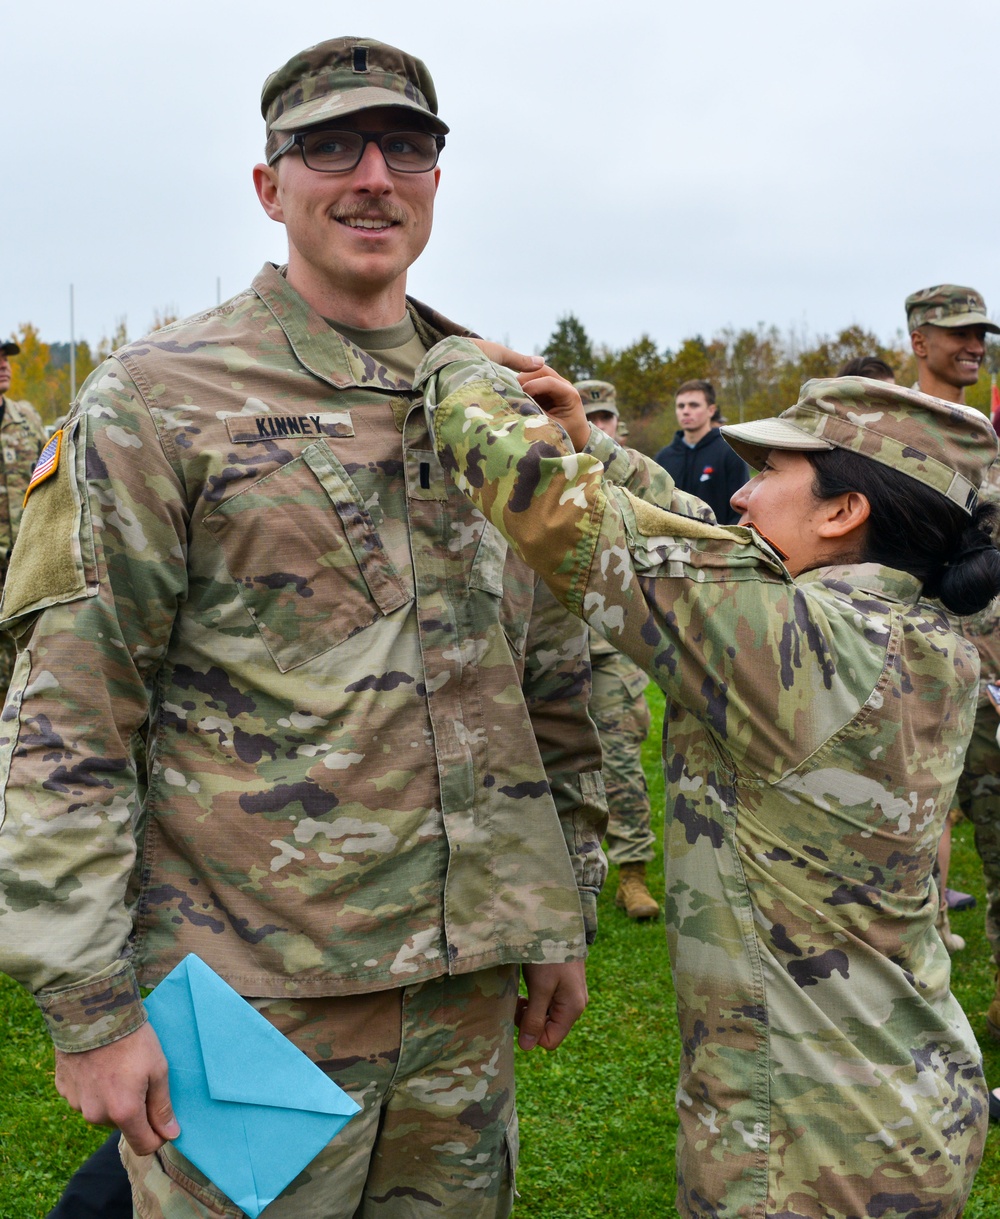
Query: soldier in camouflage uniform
[
  {"x": 22, "y": 435},
  {"x": 818, "y": 713},
  {"x": 619, "y": 709},
  {"x": 373, "y": 794},
  {"x": 948, "y": 325}
]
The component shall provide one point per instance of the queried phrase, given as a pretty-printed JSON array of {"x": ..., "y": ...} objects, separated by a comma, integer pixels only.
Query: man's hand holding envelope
[
  {"x": 249, "y": 1131},
  {"x": 123, "y": 1084}
]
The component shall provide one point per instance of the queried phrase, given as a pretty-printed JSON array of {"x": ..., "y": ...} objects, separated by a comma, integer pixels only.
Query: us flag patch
[{"x": 46, "y": 465}]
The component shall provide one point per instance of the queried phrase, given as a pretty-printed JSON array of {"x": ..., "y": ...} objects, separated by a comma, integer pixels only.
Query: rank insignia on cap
[{"x": 47, "y": 464}]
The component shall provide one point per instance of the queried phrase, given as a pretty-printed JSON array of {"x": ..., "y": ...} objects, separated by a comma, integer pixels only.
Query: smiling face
[
  {"x": 352, "y": 236},
  {"x": 694, "y": 414},
  {"x": 781, "y": 504},
  {"x": 948, "y": 358}
]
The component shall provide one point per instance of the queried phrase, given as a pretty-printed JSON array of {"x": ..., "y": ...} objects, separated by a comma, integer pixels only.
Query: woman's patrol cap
[
  {"x": 943, "y": 445},
  {"x": 342, "y": 76}
]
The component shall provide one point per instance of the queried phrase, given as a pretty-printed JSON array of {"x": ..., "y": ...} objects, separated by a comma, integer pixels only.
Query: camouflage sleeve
[
  {"x": 706, "y": 610},
  {"x": 557, "y": 684},
  {"x": 643, "y": 477},
  {"x": 96, "y": 575},
  {"x": 519, "y": 468}
]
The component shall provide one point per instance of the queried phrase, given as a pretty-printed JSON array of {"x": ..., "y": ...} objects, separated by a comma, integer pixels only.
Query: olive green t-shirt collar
[{"x": 382, "y": 338}]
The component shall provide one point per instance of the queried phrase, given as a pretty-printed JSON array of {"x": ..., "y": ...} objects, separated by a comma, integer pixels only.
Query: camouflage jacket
[
  {"x": 983, "y": 629},
  {"x": 605, "y": 657},
  {"x": 22, "y": 437},
  {"x": 280, "y": 699},
  {"x": 814, "y": 735}
]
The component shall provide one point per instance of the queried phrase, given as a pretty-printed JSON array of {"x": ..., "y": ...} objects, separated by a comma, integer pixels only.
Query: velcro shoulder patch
[
  {"x": 47, "y": 463},
  {"x": 654, "y": 521},
  {"x": 54, "y": 559}
]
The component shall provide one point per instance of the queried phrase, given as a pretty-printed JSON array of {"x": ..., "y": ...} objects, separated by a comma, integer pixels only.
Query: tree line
[
  {"x": 41, "y": 373},
  {"x": 756, "y": 373}
]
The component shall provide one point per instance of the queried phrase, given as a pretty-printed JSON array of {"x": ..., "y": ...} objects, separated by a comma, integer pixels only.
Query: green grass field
[{"x": 597, "y": 1116}]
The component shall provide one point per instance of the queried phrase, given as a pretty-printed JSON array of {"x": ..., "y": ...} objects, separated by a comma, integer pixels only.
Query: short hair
[
  {"x": 697, "y": 387},
  {"x": 868, "y": 366}
]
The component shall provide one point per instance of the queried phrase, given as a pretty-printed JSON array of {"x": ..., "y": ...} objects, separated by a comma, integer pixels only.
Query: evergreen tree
[{"x": 569, "y": 349}]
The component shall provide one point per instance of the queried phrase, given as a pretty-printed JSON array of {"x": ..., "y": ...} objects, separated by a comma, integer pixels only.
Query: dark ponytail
[{"x": 916, "y": 529}]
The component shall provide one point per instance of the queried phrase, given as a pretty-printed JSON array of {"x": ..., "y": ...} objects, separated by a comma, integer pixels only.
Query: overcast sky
[{"x": 650, "y": 166}]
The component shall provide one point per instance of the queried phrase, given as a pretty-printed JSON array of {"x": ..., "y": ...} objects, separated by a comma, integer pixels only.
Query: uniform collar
[
  {"x": 885, "y": 583},
  {"x": 327, "y": 354}
]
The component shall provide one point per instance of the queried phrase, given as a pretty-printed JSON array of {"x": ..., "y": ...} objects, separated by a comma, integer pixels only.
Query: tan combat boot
[
  {"x": 633, "y": 896},
  {"x": 993, "y": 1013},
  {"x": 952, "y": 940}
]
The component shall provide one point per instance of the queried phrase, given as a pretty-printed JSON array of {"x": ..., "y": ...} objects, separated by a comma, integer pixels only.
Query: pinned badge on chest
[{"x": 47, "y": 463}]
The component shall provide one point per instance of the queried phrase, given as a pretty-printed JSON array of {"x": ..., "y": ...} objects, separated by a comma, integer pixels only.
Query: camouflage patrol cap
[
  {"x": 597, "y": 396},
  {"x": 947, "y": 305},
  {"x": 342, "y": 76},
  {"x": 10, "y": 348},
  {"x": 943, "y": 445}
]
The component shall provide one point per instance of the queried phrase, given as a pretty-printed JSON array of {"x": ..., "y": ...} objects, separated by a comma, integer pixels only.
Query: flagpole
[{"x": 72, "y": 349}]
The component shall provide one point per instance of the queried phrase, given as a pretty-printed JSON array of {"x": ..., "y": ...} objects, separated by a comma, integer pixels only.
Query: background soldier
[
  {"x": 948, "y": 326},
  {"x": 373, "y": 795},
  {"x": 22, "y": 435},
  {"x": 618, "y": 707}
]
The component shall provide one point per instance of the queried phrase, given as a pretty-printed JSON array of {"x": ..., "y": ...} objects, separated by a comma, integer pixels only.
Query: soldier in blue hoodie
[{"x": 698, "y": 459}]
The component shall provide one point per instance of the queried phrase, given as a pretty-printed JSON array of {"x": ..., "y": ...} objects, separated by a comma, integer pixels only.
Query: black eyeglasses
[{"x": 337, "y": 152}]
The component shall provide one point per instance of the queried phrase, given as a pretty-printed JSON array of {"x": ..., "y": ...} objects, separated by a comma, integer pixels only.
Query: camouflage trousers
[
  {"x": 979, "y": 799},
  {"x": 622, "y": 719},
  {"x": 433, "y": 1067}
]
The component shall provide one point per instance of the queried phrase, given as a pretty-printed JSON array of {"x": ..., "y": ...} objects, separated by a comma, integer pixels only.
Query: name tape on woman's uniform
[{"x": 46, "y": 465}]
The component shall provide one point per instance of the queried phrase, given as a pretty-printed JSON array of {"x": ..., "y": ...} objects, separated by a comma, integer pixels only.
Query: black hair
[
  {"x": 867, "y": 366},
  {"x": 916, "y": 529}
]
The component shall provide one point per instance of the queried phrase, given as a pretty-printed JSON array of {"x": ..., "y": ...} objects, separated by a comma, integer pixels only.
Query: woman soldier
[{"x": 819, "y": 703}]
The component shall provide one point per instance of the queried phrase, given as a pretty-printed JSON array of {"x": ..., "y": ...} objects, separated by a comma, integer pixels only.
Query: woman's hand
[{"x": 553, "y": 393}]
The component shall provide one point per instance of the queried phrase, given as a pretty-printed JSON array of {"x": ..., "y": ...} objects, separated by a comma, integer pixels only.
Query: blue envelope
[{"x": 253, "y": 1109}]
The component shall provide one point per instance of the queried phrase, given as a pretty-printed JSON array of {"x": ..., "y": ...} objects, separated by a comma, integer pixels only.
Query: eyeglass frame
[{"x": 367, "y": 137}]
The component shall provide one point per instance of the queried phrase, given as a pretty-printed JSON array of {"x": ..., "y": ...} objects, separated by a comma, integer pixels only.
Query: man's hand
[
  {"x": 553, "y": 393},
  {"x": 557, "y": 995},
  {"x": 123, "y": 1084}
]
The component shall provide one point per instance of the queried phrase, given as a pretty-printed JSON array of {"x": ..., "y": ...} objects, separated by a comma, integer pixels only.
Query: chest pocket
[{"x": 306, "y": 557}]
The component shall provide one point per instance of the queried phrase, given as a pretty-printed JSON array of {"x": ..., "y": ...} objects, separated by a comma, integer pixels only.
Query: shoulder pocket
[
  {"x": 306, "y": 556},
  {"x": 53, "y": 560}
]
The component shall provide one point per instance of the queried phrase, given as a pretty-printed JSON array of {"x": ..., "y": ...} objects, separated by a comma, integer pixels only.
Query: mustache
[{"x": 371, "y": 209}]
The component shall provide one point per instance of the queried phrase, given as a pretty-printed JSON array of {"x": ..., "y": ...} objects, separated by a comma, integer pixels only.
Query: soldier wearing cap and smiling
[
  {"x": 373, "y": 795},
  {"x": 22, "y": 435},
  {"x": 948, "y": 325},
  {"x": 819, "y": 706}
]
